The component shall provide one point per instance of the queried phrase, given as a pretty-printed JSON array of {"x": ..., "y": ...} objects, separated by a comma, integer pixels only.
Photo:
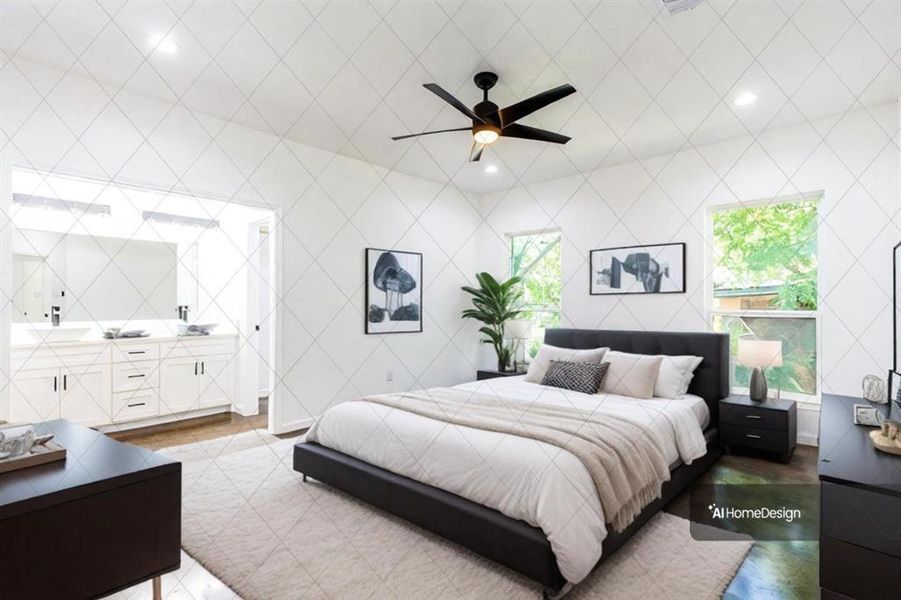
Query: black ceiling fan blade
[
  {"x": 533, "y": 133},
  {"x": 410, "y": 135},
  {"x": 514, "y": 112},
  {"x": 446, "y": 96},
  {"x": 475, "y": 152}
]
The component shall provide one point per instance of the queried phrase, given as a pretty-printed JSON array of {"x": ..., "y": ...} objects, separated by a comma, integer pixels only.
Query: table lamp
[
  {"x": 518, "y": 330},
  {"x": 758, "y": 355}
]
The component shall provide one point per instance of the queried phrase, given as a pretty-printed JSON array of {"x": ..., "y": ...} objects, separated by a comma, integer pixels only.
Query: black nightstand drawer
[
  {"x": 753, "y": 437},
  {"x": 752, "y": 416}
]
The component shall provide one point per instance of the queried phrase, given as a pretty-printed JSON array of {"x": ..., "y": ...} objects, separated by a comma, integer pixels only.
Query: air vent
[
  {"x": 676, "y": 6},
  {"x": 72, "y": 206}
]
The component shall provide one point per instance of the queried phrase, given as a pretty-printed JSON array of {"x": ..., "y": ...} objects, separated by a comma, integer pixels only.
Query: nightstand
[
  {"x": 492, "y": 374},
  {"x": 771, "y": 426}
]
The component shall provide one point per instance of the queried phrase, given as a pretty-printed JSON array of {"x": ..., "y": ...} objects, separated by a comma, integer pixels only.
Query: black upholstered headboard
[{"x": 711, "y": 380}]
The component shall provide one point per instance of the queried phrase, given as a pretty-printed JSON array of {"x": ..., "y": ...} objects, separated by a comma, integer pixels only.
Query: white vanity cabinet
[
  {"x": 121, "y": 381},
  {"x": 34, "y": 395},
  {"x": 69, "y": 382},
  {"x": 197, "y": 373}
]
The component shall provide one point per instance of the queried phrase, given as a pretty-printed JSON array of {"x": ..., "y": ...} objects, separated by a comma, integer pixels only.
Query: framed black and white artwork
[
  {"x": 393, "y": 291},
  {"x": 656, "y": 269}
]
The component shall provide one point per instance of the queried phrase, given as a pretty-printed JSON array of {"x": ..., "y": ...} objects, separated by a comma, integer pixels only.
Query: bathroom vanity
[{"x": 123, "y": 382}]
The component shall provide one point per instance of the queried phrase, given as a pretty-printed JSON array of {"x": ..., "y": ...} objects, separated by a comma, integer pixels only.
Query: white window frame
[
  {"x": 537, "y": 308},
  {"x": 709, "y": 300}
]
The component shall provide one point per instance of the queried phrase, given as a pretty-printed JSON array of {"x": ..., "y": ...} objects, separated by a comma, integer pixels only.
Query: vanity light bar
[
  {"x": 60, "y": 204},
  {"x": 169, "y": 218}
]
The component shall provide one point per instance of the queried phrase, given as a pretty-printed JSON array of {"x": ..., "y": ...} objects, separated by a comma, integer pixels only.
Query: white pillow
[
  {"x": 632, "y": 375},
  {"x": 676, "y": 373},
  {"x": 539, "y": 365}
]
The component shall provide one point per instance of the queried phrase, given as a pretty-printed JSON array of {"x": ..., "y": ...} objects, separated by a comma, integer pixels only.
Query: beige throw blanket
[{"x": 625, "y": 464}]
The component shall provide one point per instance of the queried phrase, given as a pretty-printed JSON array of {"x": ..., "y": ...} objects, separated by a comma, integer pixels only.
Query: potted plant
[{"x": 494, "y": 304}]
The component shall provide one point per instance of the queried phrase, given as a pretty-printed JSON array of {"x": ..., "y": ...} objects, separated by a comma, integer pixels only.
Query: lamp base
[{"x": 758, "y": 388}]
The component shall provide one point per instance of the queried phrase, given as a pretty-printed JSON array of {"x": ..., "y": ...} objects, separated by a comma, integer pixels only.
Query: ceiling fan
[{"x": 490, "y": 123}]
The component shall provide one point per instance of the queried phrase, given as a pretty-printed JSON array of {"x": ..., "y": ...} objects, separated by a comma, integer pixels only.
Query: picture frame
[
  {"x": 393, "y": 291},
  {"x": 642, "y": 269},
  {"x": 867, "y": 415}
]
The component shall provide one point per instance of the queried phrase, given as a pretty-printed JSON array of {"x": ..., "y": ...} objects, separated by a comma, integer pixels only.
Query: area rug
[{"x": 250, "y": 520}]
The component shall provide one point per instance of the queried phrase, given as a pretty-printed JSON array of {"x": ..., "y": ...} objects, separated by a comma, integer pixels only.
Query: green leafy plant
[{"x": 495, "y": 303}]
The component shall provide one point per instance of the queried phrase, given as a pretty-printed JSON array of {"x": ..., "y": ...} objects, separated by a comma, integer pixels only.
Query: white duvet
[{"x": 523, "y": 478}]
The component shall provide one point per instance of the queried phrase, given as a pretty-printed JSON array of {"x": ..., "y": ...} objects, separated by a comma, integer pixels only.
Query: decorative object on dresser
[
  {"x": 860, "y": 507},
  {"x": 874, "y": 390},
  {"x": 20, "y": 447},
  {"x": 759, "y": 355},
  {"x": 888, "y": 438},
  {"x": 655, "y": 269},
  {"x": 770, "y": 426},
  {"x": 519, "y": 330},
  {"x": 104, "y": 520},
  {"x": 393, "y": 291},
  {"x": 495, "y": 303},
  {"x": 483, "y": 374},
  {"x": 894, "y": 386}
]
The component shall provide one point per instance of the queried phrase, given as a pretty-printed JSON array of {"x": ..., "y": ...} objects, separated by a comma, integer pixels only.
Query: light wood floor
[{"x": 772, "y": 570}]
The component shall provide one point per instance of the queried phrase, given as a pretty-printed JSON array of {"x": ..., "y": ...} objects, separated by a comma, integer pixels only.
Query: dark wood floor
[{"x": 772, "y": 570}]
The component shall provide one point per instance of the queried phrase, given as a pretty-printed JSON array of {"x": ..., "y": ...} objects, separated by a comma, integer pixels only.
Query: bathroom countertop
[{"x": 163, "y": 332}]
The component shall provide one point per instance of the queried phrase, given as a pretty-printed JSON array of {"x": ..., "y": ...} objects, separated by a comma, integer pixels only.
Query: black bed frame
[{"x": 511, "y": 542}]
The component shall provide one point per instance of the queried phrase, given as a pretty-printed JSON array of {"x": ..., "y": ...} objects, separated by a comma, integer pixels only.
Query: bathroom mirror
[{"x": 94, "y": 278}]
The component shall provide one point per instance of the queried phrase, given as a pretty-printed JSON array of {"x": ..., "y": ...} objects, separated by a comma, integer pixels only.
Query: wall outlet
[{"x": 389, "y": 375}]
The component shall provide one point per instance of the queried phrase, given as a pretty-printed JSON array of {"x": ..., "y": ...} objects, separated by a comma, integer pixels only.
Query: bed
[{"x": 507, "y": 505}]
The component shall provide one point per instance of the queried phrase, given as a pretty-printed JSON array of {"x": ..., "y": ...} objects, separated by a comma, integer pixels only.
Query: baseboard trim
[{"x": 295, "y": 425}]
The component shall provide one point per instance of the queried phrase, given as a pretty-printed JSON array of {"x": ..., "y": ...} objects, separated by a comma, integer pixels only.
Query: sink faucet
[
  {"x": 183, "y": 312},
  {"x": 54, "y": 316}
]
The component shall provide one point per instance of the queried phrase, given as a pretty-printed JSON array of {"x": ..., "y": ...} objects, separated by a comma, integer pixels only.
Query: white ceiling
[{"x": 346, "y": 75}]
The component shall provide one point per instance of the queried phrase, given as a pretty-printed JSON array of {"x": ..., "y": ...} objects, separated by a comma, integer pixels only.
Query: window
[
  {"x": 536, "y": 258},
  {"x": 765, "y": 287}
]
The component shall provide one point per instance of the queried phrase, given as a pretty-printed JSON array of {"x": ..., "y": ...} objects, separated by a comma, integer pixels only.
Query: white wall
[
  {"x": 850, "y": 158},
  {"x": 331, "y": 207}
]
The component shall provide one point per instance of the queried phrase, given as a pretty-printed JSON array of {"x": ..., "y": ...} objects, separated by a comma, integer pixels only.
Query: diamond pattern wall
[{"x": 289, "y": 105}]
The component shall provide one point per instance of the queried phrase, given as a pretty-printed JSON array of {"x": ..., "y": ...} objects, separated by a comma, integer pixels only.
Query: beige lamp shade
[
  {"x": 760, "y": 353},
  {"x": 518, "y": 329}
]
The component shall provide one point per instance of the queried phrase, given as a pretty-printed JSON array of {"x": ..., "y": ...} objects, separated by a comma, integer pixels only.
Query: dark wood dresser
[
  {"x": 860, "y": 507},
  {"x": 106, "y": 518}
]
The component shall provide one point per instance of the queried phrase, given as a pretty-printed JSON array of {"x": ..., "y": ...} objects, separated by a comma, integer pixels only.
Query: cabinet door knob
[
  {"x": 203, "y": 368},
  {"x": 753, "y": 436},
  {"x": 54, "y": 383},
  {"x": 65, "y": 383},
  {"x": 195, "y": 367},
  {"x": 753, "y": 417}
]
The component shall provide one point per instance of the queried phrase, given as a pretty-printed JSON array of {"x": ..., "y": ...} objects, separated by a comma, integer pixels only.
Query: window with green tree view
[
  {"x": 536, "y": 258},
  {"x": 765, "y": 287}
]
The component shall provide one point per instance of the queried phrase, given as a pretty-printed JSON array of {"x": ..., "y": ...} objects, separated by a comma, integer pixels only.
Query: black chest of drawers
[
  {"x": 860, "y": 508},
  {"x": 770, "y": 426}
]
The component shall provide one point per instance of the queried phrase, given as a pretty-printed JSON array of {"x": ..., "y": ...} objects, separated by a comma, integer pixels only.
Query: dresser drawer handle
[
  {"x": 753, "y": 417},
  {"x": 753, "y": 436},
  {"x": 137, "y": 352},
  {"x": 138, "y": 375},
  {"x": 136, "y": 404}
]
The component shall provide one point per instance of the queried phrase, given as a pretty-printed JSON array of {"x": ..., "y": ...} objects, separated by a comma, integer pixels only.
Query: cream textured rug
[{"x": 250, "y": 520}]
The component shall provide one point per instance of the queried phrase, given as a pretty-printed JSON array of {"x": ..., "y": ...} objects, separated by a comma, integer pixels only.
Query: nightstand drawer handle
[
  {"x": 753, "y": 417},
  {"x": 753, "y": 436}
]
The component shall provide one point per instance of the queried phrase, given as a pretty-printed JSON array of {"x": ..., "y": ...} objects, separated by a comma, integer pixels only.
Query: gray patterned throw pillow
[{"x": 582, "y": 377}]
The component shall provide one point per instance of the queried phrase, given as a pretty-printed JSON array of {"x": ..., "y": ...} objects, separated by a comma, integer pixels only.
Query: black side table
[
  {"x": 771, "y": 426},
  {"x": 492, "y": 374}
]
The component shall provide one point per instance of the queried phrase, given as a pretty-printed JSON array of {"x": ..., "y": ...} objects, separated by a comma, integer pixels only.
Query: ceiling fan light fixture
[{"x": 485, "y": 133}]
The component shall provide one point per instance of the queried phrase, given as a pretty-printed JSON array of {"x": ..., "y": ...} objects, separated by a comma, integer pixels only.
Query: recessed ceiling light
[
  {"x": 164, "y": 44},
  {"x": 491, "y": 169},
  {"x": 745, "y": 99}
]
